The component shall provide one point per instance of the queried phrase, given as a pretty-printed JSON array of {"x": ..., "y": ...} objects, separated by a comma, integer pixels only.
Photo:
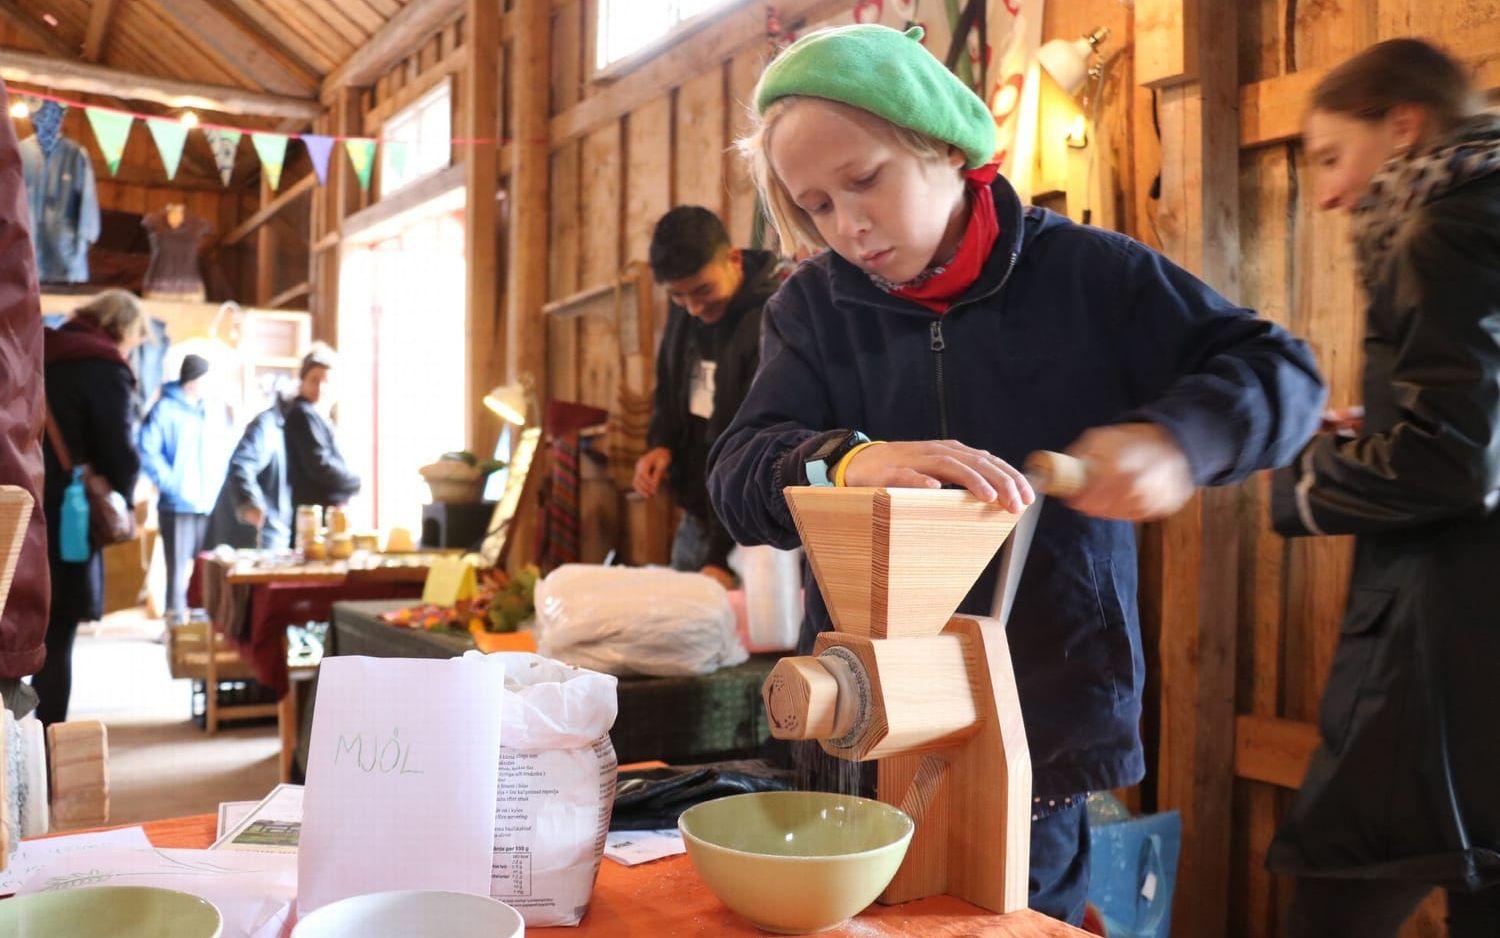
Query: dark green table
[{"x": 679, "y": 720}]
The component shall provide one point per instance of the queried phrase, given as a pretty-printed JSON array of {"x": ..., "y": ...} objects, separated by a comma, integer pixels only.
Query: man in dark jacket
[
  {"x": 709, "y": 353},
  {"x": 315, "y": 468},
  {"x": 255, "y": 505},
  {"x": 23, "y": 622}
]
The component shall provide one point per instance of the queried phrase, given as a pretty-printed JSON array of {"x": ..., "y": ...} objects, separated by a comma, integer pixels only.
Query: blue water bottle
[{"x": 73, "y": 538}]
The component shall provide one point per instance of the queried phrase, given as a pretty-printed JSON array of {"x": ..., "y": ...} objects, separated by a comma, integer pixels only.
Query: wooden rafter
[
  {"x": 268, "y": 38},
  {"x": 30, "y": 68},
  {"x": 287, "y": 196},
  {"x": 35, "y": 29},
  {"x": 236, "y": 51},
  {"x": 393, "y": 42},
  {"x": 100, "y": 12}
]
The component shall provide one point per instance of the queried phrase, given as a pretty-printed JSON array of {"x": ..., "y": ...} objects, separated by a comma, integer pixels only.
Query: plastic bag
[
  {"x": 773, "y": 595},
  {"x": 649, "y": 621},
  {"x": 557, "y": 783}
]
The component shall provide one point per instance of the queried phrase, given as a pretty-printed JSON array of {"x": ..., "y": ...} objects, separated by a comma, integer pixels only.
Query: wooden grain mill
[{"x": 928, "y": 694}]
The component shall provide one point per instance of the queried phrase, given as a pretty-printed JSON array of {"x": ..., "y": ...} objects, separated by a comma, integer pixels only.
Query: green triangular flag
[
  {"x": 271, "y": 148},
  {"x": 169, "y": 136},
  {"x": 111, "y": 128},
  {"x": 396, "y": 152},
  {"x": 361, "y": 152}
]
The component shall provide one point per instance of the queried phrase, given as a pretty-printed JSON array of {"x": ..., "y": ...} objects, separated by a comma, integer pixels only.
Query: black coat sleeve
[
  {"x": 311, "y": 437},
  {"x": 786, "y": 415},
  {"x": 111, "y": 428},
  {"x": 1237, "y": 392},
  {"x": 1441, "y": 459},
  {"x": 665, "y": 428}
]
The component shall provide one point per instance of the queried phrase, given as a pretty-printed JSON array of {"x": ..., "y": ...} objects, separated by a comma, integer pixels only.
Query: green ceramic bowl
[
  {"x": 796, "y": 861},
  {"x": 110, "y": 912}
]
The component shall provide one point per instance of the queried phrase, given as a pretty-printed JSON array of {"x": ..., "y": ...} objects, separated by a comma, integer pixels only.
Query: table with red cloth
[
  {"x": 666, "y": 897},
  {"x": 255, "y": 603}
]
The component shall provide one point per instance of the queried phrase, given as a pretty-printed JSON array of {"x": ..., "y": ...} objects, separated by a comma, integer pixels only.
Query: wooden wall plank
[
  {"x": 700, "y": 143},
  {"x": 648, "y": 174},
  {"x": 599, "y": 237},
  {"x": 743, "y": 72},
  {"x": 563, "y": 272}
]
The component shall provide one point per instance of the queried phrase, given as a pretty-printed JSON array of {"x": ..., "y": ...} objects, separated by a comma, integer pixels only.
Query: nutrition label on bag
[{"x": 566, "y": 794}]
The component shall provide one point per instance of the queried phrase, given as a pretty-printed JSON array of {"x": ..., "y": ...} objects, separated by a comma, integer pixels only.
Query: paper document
[
  {"x": 32, "y": 855},
  {"x": 629, "y": 848},
  {"x": 401, "y": 777},
  {"x": 252, "y": 891},
  {"x": 231, "y": 813},
  {"x": 273, "y": 825}
]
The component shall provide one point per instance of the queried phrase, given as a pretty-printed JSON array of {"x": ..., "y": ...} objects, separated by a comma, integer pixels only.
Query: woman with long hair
[{"x": 1400, "y": 794}]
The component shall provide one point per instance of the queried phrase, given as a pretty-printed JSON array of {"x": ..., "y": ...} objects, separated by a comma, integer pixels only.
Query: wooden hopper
[{"x": 896, "y": 562}]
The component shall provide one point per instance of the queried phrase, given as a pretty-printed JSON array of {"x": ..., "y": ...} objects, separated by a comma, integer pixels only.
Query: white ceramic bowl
[{"x": 413, "y": 913}]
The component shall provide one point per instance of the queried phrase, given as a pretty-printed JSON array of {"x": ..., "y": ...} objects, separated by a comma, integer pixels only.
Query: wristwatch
[{"x": 825, "y": 458}]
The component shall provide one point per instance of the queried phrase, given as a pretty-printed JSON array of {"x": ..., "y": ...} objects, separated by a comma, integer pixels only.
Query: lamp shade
[
  {"x": 1067, "y": 61},
  {"x": 509, "y": 402}
]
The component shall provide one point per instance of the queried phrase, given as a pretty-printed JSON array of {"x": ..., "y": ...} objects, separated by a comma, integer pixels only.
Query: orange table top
[{"x": 666, "y": 897}]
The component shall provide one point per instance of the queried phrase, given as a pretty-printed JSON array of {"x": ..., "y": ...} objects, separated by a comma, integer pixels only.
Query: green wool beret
[{"x": 888, "y": 73}]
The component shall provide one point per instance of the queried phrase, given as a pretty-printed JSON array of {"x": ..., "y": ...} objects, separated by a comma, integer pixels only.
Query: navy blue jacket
[
  {"x": 257, "y": 479},
  {"x": 1067, "y": 328}
]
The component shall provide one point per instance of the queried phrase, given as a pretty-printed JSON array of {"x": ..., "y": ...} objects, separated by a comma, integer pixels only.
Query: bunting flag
[
  {"x": 361, "y": 152},
  {"x": 395, "y": 152},
  {"x": 225, "y": 143},
  {"x": 271, "y": 148},
  {"x": 169, "y": 135},
  {"x": 46, "y": 119},
  {"x": 111, "y": 129},
  {"x": 318, "y": 148}
]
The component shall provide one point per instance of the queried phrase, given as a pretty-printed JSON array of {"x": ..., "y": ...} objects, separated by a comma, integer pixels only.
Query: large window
[
  {"x": 418, "y": 140},
  {"x": 628, "y": 26}
]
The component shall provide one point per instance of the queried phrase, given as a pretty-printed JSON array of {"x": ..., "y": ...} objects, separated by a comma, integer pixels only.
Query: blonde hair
[
  {"x": 118, "y": 313},
  {"x": 794, "y": 226}
]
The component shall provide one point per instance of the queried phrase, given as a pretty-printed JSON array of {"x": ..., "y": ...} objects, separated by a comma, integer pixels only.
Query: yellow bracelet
[{"x": 838, "y": 471}]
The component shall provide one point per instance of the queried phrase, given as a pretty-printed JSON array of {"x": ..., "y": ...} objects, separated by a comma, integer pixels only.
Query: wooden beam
[
  {"x": 240, "y": 53},
  {"x": 417, "y": 194},
  {"x": 1166, "y": 52},
  {"x": 34, "y": 28},
  {"x": 396, "y": 39},
  {"x": 265, "y": 248},
  {"x": 487, "y": 349},
  {"x": 241, "y": 20},
  {"x": 100, "y": 12},
  {"x": 736, "y": 30},
  {"x": 327, "y": 243},
  {"x": 1272, "y": 750},
  {"x": 286, "y": 296},
  {"x": 270, "y": 209},
  {"x": 30, "y": 68},
  {"x": 451, "y": 64},
  {"x": 1193, "y": 585}
]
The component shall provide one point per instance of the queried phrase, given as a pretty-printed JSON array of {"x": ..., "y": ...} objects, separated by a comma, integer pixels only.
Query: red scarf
[
  {"x": 78, "y": 339},
  {"x": 940, "y": 291}
]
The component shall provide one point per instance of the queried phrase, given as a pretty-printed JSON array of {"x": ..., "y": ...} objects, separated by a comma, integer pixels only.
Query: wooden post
[
  {"x": 526, "y": 263},
  {"x": 333, "y": 201},
  {"x": 481, "y": 122},
  {"x": 1192, "y": 581},
  {"x": 265, "y": 249}
]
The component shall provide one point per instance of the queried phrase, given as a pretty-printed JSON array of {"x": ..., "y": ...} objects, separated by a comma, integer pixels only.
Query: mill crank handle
[{"x": 1056, "y": 474}]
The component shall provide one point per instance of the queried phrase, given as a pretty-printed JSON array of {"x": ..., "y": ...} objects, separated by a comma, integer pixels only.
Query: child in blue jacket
[{"x": 967, "y": 330}]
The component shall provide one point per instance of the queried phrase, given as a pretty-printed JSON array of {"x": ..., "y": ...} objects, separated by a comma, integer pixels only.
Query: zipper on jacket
[{"x": 938, "y": 345}]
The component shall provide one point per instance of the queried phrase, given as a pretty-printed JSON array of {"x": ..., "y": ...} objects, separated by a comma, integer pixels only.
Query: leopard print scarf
[{"x": 1408, "y": 182}]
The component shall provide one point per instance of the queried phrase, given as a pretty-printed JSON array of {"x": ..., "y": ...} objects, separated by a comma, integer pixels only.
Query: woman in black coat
[
  {"x": 89, "y": 389},
  {"x": 1403, "y": 793}
]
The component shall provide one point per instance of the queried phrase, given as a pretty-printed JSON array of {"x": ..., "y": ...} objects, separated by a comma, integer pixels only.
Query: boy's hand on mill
[
  {"x": 1137, "y": 472},
  {"x": 932, "y": 463}
]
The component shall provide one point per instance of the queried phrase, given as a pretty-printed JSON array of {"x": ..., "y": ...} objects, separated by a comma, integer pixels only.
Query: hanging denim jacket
[{"x": 64, "y": 209}]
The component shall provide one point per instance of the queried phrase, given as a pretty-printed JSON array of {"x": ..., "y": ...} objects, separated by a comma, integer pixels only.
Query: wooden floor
[{"x": 161, "y": 764}]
